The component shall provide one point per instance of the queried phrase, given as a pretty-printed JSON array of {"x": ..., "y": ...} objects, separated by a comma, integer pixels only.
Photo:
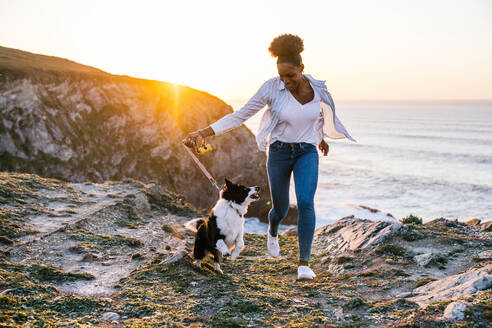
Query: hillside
[
  {"x": 116, "y": 254},
  {"x": 64, "y": 120},
  {"x": 17, "y": 62}
]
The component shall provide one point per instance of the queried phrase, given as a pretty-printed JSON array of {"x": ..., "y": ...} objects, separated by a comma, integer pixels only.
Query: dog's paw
[
  {"x": 218, "y": 269},
  {"x": 222, "y": 248},
  {"x": 234, "y": 256}
]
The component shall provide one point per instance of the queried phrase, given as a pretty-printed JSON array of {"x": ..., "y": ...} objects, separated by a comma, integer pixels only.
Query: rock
[
  {"x": 89, "y": 257},
  {"x": 110, "y": 316},
  {"x": 6, "y": 240},
  {"x": 291, "y": 218},
  {"x": 423, "y": 259},
  {"x": 290, "y": 232},
  {"x": 353, "y": 233},
  {"x": 84, "y": 124},
  {"x": 77, "y": 249},
  {"x": 338, "y": 313},
  {"x": 142, "y": 203},
  {"x": 175, "y": 258},
  {"x": 444, "y": 224},
  {"x": 473, "y": 222},
  {"x": 486, "y": 227},
  {"x": 485, "y": 255},
  {"x": 455, "y": 311},
  {"x": 455, "y": 286}
]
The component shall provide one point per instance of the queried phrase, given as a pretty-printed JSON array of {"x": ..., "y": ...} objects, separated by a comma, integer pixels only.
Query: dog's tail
[{"x": 194, "y": 224}]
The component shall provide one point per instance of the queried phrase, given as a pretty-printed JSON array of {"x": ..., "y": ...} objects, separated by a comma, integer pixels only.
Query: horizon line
[{"x": 476, "y": 100}]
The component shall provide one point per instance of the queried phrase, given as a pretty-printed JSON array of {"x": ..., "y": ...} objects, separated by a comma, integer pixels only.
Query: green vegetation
[
  {"x": 129, "y": 217},
  {"x": 392, "y": 250},
  {"x": 412, "y": 233},
  {"x": 255, "y": 290},
  {"x": 411, "y": 219},
  {"x": 172, "y": 231},
  {"x": 17, "y": 61},
  {"x": 438, "y": 261},
  {"x": 43, "y": 273},
  {"x": 103, "y": 241},
  {"x": 424, "y": 281},
  {"x": 343, "y": 259},
  {"x": 162, "y": 198}
]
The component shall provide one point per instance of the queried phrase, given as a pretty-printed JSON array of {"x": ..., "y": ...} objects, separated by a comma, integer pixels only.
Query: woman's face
[{"x": 290, "y": 74}]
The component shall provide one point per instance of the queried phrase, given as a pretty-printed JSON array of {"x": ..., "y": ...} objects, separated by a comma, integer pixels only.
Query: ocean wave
[
  {"x": 430, "y": 155},
  {"x": 479, "y": 141}
]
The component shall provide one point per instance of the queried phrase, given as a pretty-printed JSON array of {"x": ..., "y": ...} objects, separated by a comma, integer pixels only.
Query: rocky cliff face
[
  {"x": 69, "y": 121},
  {"x": 117, "y": 254}
]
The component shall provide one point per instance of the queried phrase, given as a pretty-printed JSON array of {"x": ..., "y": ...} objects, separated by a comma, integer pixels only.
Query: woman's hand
[
  {"x": 197, "y": 138},
  {"x": 194, "y": 139},
  {"x": 324, "y": 147}
]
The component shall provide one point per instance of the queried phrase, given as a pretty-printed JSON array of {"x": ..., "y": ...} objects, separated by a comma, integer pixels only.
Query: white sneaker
[
  {"x": 305, "y": 272},
  {"x": 272, "y": 245}
]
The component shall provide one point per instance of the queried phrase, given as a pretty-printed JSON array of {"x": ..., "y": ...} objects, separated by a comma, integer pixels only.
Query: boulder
[
  {"x": 423, "y": 259},
  {"x": 110, "y": 316},
  {"x": 473, "y": 222},
  {"x": 454, "y": 286},
  {"x": 455, "y": 311},
  {"x": 485, "y": 255},
  {"x": 291, "y": 218},
  {"x": 352, "y": 233},
  {"x": 486, "y": 226}
]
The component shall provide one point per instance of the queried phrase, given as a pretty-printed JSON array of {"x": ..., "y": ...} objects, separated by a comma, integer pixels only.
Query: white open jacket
[{"x": 274, "y": 94}]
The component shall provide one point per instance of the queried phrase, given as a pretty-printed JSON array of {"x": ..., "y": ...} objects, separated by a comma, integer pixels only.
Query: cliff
[
  {"x": 69, "y": 121},
  {"x": 117, "y": 254}
]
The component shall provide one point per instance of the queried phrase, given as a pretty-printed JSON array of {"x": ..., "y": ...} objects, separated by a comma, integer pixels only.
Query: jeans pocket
[
  {"x": 276, "y": 146},
  {"x": 307, "y": 147}
]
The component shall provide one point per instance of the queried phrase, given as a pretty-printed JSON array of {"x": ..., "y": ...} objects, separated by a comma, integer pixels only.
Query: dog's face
[{"x": 240, "y": 194}]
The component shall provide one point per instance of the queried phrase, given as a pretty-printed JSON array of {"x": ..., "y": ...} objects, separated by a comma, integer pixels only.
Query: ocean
[{"x": 430, "y": 159}]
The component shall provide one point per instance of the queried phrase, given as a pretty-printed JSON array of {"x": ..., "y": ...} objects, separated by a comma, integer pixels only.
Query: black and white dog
[{"x": 223, "y": 230}]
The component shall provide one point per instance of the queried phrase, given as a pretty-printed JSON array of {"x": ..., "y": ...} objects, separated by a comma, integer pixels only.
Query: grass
[
  {"x": 412, "y": 232},
  {"x": 104, "y": 241},
  {"x": 424, "y": 281},
  {"x": 18, "y": 60},
  {"x": 411, "y": 219},
  {"x": 438, "y": 261},
  {"x": 162, "y": 198},
  {"x": 129, "y": 217},
  {"x": 343, "y": 259},
  {"x": 43, "y": 273},
  {"x": 392, "y": 250},
  {"x": 172, "y": 231},
  {"x": 255, "y": 290}
]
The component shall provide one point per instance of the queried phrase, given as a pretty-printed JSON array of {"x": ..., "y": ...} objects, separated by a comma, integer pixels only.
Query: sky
[{"x": 365, "y": 50}]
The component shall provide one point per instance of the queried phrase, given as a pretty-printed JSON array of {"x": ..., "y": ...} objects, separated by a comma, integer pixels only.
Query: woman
[{"x": 299, "y": 115}]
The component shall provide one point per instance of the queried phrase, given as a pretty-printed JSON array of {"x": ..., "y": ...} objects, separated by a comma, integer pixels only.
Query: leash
[{"x": 204, "y": 170}]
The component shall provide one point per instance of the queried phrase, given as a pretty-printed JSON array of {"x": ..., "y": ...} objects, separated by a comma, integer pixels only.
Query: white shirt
[
  {"x": 274, "y": 94},
  {"x": 297, "y": 121}
]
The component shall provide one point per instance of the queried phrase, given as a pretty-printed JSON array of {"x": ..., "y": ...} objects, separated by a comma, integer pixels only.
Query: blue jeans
[{"x": 302, "y": 159}]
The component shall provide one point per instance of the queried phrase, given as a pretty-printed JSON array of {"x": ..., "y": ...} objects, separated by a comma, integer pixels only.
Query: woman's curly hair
[{"x": 288, "y": 48}]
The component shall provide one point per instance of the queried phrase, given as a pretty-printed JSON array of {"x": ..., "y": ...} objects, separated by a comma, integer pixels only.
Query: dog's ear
[{"x": 228, "y": 183}]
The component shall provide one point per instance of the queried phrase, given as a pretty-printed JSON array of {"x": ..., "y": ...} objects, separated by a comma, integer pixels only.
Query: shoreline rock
[{"x": 140, "y": 271}]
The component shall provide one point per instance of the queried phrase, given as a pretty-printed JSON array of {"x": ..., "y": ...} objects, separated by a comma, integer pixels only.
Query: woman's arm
[
  {"x": 235, "y": 119},
  {"x": 232, "y": 120}
]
